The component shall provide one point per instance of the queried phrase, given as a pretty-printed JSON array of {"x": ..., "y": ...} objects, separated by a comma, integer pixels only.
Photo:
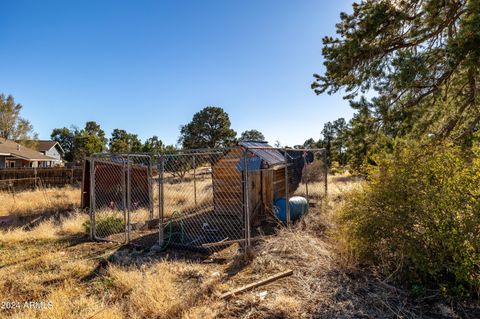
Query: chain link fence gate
[
  {"x": 203, "y": 199},
  {"x": 121, "y": 196}
]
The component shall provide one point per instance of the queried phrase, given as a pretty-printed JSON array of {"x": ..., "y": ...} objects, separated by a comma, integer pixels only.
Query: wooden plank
[
  {"x": 267, "y": 190},
  {"x": 228, "y": 203},
  {"x": 256, "y": 284},
  {"x": 255, "y": 191},
  {"x": 278, "y": 183},
  {"x": 232, "y": 178},
  {"x": 227, "y": 192},
  {"x": 227, "y": 176},
  {"x": 226, "y": 168},
  {"x": 227, "y": 186}
]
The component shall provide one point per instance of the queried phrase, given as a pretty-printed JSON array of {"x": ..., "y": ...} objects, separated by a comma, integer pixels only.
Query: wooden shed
[{"x": 266, "y": 178}]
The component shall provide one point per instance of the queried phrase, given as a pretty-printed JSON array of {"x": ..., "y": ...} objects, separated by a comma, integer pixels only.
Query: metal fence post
[
  {"x": 194, "y": 181},
  {"x": 326, "y": 171},
  {"x": 305, "y": 170},
  {"x": 246, "y": 200},
  {"x": 129, "y": 195},
  {"x": 150, "y": 186},
  {"x": 124, "y": 200},
  {"x": 161, "y": 168},
  {"x": 92, "y": 199},
  {"x": 287, "y": 199}
]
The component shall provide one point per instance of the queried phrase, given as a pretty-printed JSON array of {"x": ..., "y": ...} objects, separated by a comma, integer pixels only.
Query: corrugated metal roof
[{"x": 264, "y": 151}]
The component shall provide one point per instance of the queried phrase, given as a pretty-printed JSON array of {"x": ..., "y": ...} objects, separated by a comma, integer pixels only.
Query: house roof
[
  {"x": 266, "y": 152},
  {"x": 46, "y": 145},
  {"x": 10, "y": 148}
]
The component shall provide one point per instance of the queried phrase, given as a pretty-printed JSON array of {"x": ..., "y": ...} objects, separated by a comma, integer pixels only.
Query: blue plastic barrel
[{"x": 298, "y": 208}]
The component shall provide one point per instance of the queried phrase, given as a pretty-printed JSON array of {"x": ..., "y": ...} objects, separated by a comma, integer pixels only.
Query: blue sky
[{"x": 148, "y": 66}]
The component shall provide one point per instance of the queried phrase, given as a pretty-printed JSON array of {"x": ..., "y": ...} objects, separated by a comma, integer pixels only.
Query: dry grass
[
  {"x": 73, "y": 224},
  {"x": 101, "y": 280},
  {"x": 39, "y": 200},
  {"x": 150, "y": 293},
  {"x": 72, "y": 301},
  {"x": 46, "y": 230},
  {"x": 180, "y": 198}
]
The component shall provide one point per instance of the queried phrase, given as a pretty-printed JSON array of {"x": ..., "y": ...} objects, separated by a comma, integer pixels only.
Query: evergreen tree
[
  {"x": 153, "y": 145},
  {"x": 209, "y": 128},
  {"x": 420, "y": 57},
  {"x": 252, "y": 135},
  {"x": 89, "y": 140},
  {"x": 124, "y": 142}
]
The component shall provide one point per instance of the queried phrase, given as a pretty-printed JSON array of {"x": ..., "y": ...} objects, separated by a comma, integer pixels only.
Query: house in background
[
  {"x": 14, "y": 155},
  {"x": 52, "y": 149}
]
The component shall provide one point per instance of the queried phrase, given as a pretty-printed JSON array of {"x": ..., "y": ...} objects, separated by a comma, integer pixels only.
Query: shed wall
[{"x": 227, "y": 184}]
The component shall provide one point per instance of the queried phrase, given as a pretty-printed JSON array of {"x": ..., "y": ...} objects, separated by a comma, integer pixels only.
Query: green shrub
[
  {"x": 417, "y": 218},
  {"x": 106, "y": 226}
]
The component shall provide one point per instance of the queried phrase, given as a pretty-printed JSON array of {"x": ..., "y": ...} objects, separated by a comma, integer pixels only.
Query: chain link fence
[{"x": 203, "y": 199}]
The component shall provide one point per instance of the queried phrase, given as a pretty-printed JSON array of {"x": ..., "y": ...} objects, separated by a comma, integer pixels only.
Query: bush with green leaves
[
  {"x": 417, "y": 218},
  {"x": 106, "y": 226}
]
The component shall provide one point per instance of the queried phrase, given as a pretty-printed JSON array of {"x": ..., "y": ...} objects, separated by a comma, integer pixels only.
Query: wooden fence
[{"x": 27, "y": 178}]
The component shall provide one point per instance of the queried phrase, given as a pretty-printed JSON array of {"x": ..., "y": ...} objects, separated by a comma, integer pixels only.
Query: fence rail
[{"x": 27, "y": 178}]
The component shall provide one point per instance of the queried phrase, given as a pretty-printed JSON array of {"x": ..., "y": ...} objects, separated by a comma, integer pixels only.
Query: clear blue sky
[{"x": 148, "y": 66}]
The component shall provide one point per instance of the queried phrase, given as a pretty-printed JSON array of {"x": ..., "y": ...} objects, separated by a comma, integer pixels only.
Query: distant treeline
[{"x": 209, "y": 128}]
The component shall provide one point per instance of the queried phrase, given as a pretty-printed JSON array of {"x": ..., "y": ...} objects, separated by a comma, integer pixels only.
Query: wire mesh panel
[
  {"x": 284, "y": 183},
  {"x": 108, "y": 198},
  {"x": 202, "y": 198},
  {"x": 122, "y": 198},
  {"x": 140, "y": 198},
  {"x": 307, "y": 173}
]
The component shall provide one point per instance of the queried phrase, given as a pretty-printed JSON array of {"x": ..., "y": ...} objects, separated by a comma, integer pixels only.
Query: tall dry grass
[
  {"x": 46, "y": 230},
  {"x": 39, "y": 200},
  {"x": 164, "y": 289},
  {"x": 151, "y": 293},
  {"x": 180, "y": 196},
  {"x": 72, "y": 301}
]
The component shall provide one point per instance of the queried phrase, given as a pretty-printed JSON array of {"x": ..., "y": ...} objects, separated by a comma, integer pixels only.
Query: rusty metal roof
[{"x": 264, "y": 151}]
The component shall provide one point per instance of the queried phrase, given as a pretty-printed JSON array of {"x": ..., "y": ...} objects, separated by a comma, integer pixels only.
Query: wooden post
[
  {"x": 256, "y": 284},
  {"x": 35, "y": 177}
]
